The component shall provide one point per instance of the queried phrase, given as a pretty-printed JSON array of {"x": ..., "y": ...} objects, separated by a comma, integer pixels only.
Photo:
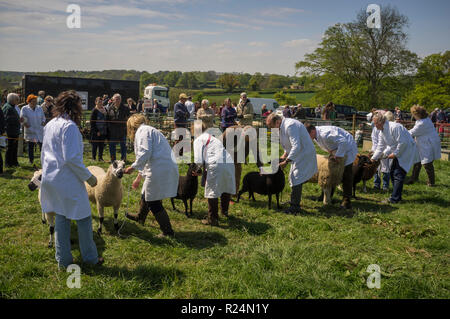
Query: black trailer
[{"x": 53, "y": 85}]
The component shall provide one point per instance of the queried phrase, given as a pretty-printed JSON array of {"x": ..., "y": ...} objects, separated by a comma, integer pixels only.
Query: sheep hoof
[
  {"x": 50, "y": 244},
  {"x": 116, "y": 227},
  {"x": 99, "y": 231},
  {"x": 44, "y": 221}
]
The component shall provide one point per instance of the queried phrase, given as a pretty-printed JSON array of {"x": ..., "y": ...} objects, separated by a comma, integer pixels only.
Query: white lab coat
[
  {"x": 156, "y": 163},
  {"x": 333, "y": 138},
  {"x": 63, "y": 171},
  {"x": 427, "y": 140},
  {"x": 385, "y": 163},
  {"x": 219, "y": 166},
  {"x": 190, "y": 107},
  {"x": 35, "y": 119},
  {"x": 395, "y": 139},
  {"x": 297, "y": 143}
]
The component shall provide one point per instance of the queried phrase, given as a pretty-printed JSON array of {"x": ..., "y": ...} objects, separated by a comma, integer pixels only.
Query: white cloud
[
  {"x": 280, "y": 12},
  {"x": 298, "y": 43},
  {"x": 257, "y": 44}
]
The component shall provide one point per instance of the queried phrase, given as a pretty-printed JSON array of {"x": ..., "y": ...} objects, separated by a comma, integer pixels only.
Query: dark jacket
[
  {"x": 287, "y": 112},
  {"x": 98, "y": 124},
  {"x": 117, "y": 122},
  {"x": 300, "y": 113},
  {"x": 181, "y": 114},
  {"x": 2, "y": 122},
  {"x": 12, "y": 120},
  {"x": 229, "y": 116}
]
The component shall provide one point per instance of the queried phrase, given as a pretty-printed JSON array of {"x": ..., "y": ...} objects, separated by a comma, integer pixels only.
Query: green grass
[
  {"x": 301, "y": 97},
  {"x": 256, "y": 253}
]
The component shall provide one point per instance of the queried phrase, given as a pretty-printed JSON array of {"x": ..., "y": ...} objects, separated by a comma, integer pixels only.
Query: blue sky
[{"x": 221, "y": 35}]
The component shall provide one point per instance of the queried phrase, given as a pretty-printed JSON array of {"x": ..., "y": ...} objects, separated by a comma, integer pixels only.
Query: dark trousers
[
  {"x": 159, "y": 212},
  {"x": 347, "y": 181},
  {"x": 123, "y": 149},
  {"x": 98, "y": 142},
  {"x": 31, "y": 147},
  {"x": 213, "y": 206},
  {"x": 398, "y": 175},
  {"x": 11, "y": 152},
  {"x": 296, "y": 195}
]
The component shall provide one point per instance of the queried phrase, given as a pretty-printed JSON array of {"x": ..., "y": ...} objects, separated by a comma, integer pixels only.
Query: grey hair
[
  {"x": 379, "y": 118},
  {"x": 12, "y": 97},
  {"x": 389, "y": 116},
  {"x": 205, "y": 101},
  {"x": 117, "y": 94},
  {"x": 243, "y": 94}
]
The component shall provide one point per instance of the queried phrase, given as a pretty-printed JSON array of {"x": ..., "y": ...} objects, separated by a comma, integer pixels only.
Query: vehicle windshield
[{"x": 161, "y": 93}]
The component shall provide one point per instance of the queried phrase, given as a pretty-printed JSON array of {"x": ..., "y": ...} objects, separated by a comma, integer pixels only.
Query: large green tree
[
  {"x": 228, "y": 82},
  {"x": 357, "y": 63}
]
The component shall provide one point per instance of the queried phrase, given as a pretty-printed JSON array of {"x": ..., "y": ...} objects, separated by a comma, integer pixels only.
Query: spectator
[
  {"x": 287, "y": 112},
  {"x": 229, "y": 115},
  {"x": 359, "y": 135},
  {"x": 117, "y": 115},
  {"x": 105, "y": 99},
  {"x": 428, "y": 144},
  {"x": 441, "y": 119},
  {"x": 333, "y": 113},
  {"x": 433, "y": 115},
  {"x": 244, "y": 110},
  {"x": 215, "y": 109},
  {"x": 181, "y": 112},
  {"x": 264, "y": 112},
  {"x": 341, "y": 146},
  {"x": 3, "y": 98},
  {"x": 139, "y": 107},
  {"x": 326, "y": 114},
  {"x": 300, "y": 113},
  {"x": 299, "y": 151},
  {"x": 40, "y": 97},
  {"x": 219, "y": 169},
  {"x": 206, "y": 114},
  {"x": 99, "y": 129},
  {"x": 395, "y": 142},
  {"x": 33, "y": 119},
  {"x": 2, "y": 130},
  {"x": 47, "y": 108},
  {"x": 131, "y": 104},
  {"x": 318, "y": 111},
  {"x": 190, "y": 107},
  {"x": 155, "y": 162},
  {"x": 398, "y": 115},
  {"x": 63, "y": 176},
  {"x": 12, "y": 127}
]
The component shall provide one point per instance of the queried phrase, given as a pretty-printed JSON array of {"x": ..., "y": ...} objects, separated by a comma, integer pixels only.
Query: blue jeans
[
  {"x": 398, "y": 175},
  {"x": 88, "y": 249},
  {"x": 123, "y": 149},
  {"x": 377, "y": 180}
]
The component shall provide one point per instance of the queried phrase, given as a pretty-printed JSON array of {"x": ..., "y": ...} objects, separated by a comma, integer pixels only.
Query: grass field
[
  {"x": 301, "y": 97},
  {"x": 256, "y": 253}
]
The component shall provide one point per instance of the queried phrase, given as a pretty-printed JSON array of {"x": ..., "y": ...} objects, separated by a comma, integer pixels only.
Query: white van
[
  {"x": 257, "y": 103},
  {"x": 160, "y": 93}
]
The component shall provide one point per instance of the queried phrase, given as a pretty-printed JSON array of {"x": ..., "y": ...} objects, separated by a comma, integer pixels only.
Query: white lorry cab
[
  {"x": 160, "y": 93},
  {"x": 257, "y": 103}
]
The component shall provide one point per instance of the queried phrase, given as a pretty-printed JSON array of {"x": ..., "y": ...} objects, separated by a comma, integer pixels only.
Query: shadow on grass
[
  {"x": 430, "y": 200},
  {"x": 154, "y": 277},
  {"x": 253, "y": 228},
  {"x": 200, "y": 240},
  {"x": 8, "y": 174}
]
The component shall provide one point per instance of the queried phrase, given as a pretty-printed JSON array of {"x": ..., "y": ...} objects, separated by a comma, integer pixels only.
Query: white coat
[
  {"x": 63, "y": 171},
  {"x": 333, "y": 138},
  {"x": 35, "y": 118},
  {"x": 427, "y": 140},
  {"x": 156, "y": 163},
  {"x": 219, "y": 166},
  {"x": 395, "y": 139},
  {"x": 297, "y": 143},
  {"x": 385, "y": 163}
]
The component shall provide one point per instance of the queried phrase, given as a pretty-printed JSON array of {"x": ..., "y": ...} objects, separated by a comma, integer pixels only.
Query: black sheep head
[{"x": 194, "y": 170}]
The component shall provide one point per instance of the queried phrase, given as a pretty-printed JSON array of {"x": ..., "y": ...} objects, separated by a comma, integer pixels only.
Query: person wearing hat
[
  {"x": 245, "y": 110},
  {"x": 33, "y": 119}
]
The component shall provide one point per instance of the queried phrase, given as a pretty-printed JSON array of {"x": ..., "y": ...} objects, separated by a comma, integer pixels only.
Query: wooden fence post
[{"x": 354, "y": 125}]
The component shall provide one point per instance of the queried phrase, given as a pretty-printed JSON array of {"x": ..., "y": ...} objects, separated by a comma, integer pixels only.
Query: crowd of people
[{"x": 53, "y": 126}]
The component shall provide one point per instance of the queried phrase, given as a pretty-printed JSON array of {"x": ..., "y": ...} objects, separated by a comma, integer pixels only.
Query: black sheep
[
  {"x": 188, "y": 187},
  {"x": 363, "y": 170},
  {"x": 266, "y": 184}
]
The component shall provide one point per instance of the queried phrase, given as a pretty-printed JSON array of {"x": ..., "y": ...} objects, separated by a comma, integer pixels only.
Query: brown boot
[
  {"x": 429, "y": 168},
  {"x": 141, "y": 215},
  {"x": 415, "y": 174},
  {"x": 164, "y": 222},
  {"x": 213, "y": 212}
]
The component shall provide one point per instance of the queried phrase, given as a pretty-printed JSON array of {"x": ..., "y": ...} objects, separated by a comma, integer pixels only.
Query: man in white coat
[
  {"x": 299, "y": 151},
  {"x": 383, "y": 172},
  {"x": 428, "y": 143},
  {"x": 190, "y": 106},
  {"x": 63, "y": 176},
  {"x": 155, "y": 162},
  {"x": 342, "y": 147},
  {"x": 395, "y": 143},
  {"x": 220, "y": 179},
  {"x": 33, "y": 119}
]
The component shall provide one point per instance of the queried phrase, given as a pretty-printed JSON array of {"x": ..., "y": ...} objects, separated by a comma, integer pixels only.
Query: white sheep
[
  {"x": 329, "y": 175},
  {"x": 46, "y": 217},
  {"x": 108, "y": 192}
]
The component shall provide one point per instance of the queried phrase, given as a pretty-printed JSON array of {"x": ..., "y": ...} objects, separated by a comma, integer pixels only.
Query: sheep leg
[
  {"x": 327, "y": 195},
  {"x": 277, "y": 195},
  {"x": 252, "y": 195},
  {"x": 185, "y": 206},
  {"x": 365, "y": 188},
  {"x": 354, "y": 190},
  {"x": 270, "y": 200},
  {"x": 43, "y": 218},
  {"x": 173, "y": 203},
  {"x": 51, "y": 223},
  {"x": 116, "y": 215},
  {"x": 190, "y": 206},
  {"x": 101, "y": 215}
]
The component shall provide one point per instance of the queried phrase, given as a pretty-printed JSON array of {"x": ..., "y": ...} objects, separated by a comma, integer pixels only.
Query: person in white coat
[
  {"x": 428, "y": 143},
  {"x": 219, "y": 169},
  {"x": 155, "y": 162},
  {"x": 299, "y": 151},
  {"x": 395, "y": 143},
  {"x": 33, "y": 119},
  {"x": 63, "y": 175},
  {"x": 342, "y": 147},
  {"x": 383, "y": 172}
]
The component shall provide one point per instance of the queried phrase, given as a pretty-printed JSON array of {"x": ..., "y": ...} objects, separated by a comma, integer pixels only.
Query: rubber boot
[
  {"x": 415, "y": 174},
  {"x": 213, "y": 212},
  {"x": 429, "y": 168},
  {"x": 141, "y": 215}
]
